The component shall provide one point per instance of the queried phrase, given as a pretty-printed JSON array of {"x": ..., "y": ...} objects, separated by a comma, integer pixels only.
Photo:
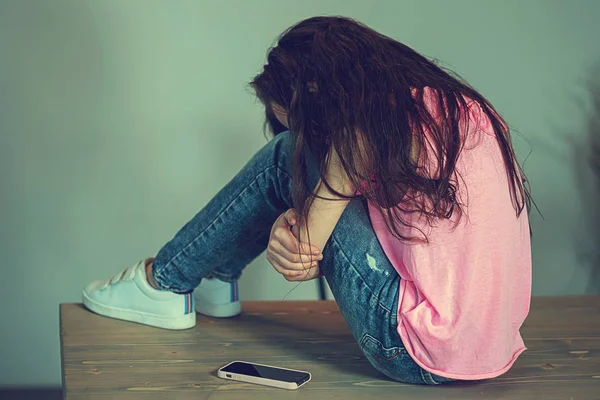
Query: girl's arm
[{"x": 323, "y": 215}]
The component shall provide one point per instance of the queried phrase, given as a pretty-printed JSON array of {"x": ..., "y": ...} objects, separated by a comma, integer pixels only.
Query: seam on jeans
[
  {"x": 380, "y": 360},
  {"x": 427, "y": 378},
  {"x": 218, "y": 215},
  {"x": 158, "y": 278},
  {"x": 394, "y": 317},
  {"x": 377, "y": 358},
  {"x": 396, "y": 354},
  {"x": 225, "y": 277},
  {"x": 385, "y": 309},
  {"x": 370, "y": 338},
  {"x": 358, "y": 273}
]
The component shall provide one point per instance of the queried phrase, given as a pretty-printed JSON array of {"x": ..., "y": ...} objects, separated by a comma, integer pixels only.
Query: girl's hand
[{"x": 296, "y": 262}]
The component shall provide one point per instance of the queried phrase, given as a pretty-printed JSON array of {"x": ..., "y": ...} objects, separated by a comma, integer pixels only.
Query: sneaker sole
[
  {"x": 174, "y": 323},
  {"x": 219, "y": 310}
]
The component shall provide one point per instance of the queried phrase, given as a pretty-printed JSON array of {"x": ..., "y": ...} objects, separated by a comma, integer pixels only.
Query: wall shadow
[
  {"x": 573, "y": 146},
  {"x": 587, "y": 168}
]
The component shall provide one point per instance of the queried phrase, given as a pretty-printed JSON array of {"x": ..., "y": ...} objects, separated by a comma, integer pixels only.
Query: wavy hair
[{"x": 347, "y": 87}]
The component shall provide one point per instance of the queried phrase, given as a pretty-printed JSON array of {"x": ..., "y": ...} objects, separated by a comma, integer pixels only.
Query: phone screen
[{"x": 262, "y": 371}]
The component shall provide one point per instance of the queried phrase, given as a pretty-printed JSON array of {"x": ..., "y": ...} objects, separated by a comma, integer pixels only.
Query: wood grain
[{"x": 104, "y": 358}]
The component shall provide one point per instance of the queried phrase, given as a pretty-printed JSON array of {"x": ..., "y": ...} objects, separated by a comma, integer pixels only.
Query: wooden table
[{"x": 105, "y": 358}]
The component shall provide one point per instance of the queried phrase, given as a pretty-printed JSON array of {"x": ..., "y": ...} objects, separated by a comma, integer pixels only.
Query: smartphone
[{"x": 264, "y": 375}]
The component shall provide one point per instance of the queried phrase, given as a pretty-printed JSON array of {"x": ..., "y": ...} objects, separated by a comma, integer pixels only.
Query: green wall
[{"x": 119, "y": 119}]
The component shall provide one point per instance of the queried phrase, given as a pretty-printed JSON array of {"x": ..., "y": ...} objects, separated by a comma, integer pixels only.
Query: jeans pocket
[
  {"x": 387, "y": 360},
  {"x": 373, "y": 347},
  {"x": 396, "y": 363}
]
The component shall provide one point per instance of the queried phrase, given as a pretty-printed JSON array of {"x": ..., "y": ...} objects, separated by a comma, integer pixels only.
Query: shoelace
[{"x": 125, "y": 275}]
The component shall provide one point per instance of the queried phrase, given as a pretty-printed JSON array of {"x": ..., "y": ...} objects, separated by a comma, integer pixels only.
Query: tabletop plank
[{"x": 104, "y": 358}]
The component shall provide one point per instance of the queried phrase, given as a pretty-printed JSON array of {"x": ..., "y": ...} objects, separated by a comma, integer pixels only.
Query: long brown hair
[{"x": 348, "y": 87}]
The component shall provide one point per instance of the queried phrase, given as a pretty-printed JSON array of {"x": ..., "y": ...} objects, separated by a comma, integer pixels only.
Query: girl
[{"x": 387, "y": 175}]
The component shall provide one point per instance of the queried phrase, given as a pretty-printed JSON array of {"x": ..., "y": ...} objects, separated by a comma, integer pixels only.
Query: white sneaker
[
  {"x": 216, "y": 298},
  {"x": 129, "y": 296}
]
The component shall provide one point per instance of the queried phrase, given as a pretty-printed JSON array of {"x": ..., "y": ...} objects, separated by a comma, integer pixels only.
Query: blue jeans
[{"x": 234, "y": 227}]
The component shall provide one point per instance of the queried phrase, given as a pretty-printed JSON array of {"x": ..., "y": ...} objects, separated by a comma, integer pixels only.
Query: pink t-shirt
[{"x": 465, "y": 294}]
